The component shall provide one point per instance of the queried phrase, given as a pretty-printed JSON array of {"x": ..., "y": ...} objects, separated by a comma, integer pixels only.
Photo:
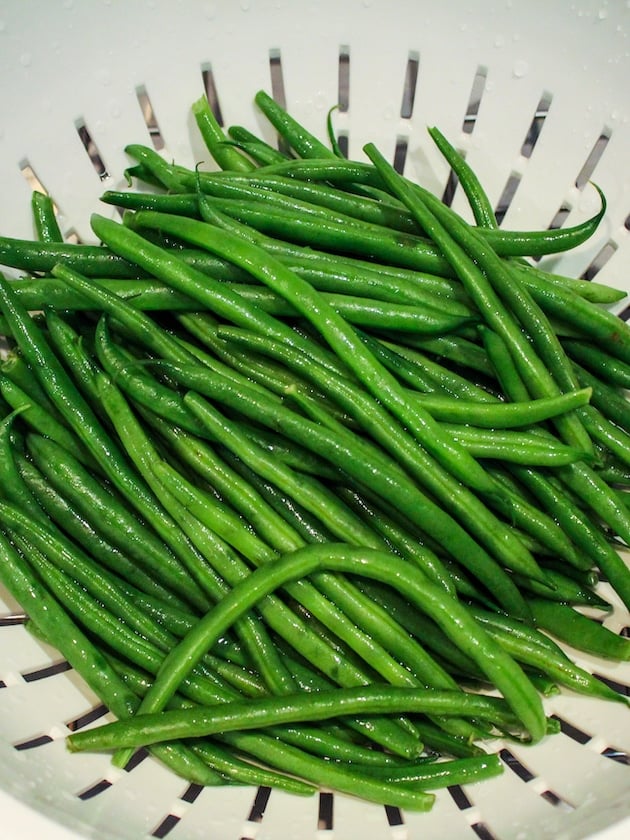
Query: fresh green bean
[
  {"x": 370, "y": 415},
  {"x": 501, "y": 415},
  {"x": 15, "y": 368},
  {"x": 338, "y": 334},
  {"x": 454, "y": 619},
  {"x": 520, "y": 447},
  {"x": 84, "y": 656},
  {"x": 13, "y": 488},
  {"x": 106, "y": 509},
  {"x": 83, "y": 532},
  {"x": 45, "y": 218},
  {"x": 491, "y": 283},
  {"x": 42, "y": 421},
  {"x": 609, "y": 369},
  {"x": 91, "y": 433},
  {"x": 476, "y": 195},
  {"x": 531, "y": 647},
  {"x": 225, "y": 155},
  {"x": 579, "y": 631}
]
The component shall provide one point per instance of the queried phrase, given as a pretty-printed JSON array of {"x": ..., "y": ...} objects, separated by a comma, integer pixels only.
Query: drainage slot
[
  {"x": 210, "y": 89},
  {"x": 277, "y": 79},
  {"x": 325, "y": 814},
  {"x": 527, "y": 148},
  {"x": 599, "y": 260},
  {"x": 91, "y": 148},
  {"x": 166, "y": 826},
  {"x": 400, "y": 154},
  {"x": 468, "y": 124},
  {"x": 150, "y": 120},
  {"x": 410, "y": 85},
  {"x": 343, "y": 91}
]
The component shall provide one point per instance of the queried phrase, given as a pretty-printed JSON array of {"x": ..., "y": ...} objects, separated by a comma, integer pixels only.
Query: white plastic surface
[{"x": 63, "y": 63}]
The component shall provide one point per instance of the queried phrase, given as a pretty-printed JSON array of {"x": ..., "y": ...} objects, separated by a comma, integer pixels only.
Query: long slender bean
[{"x": 454, "y": 619}]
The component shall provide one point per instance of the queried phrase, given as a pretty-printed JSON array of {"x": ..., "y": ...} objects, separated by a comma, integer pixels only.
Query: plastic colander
[{"x": 536, "y": 94}]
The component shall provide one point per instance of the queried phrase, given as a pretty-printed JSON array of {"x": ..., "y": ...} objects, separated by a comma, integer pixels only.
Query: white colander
[{"x": 536, "y": 94}]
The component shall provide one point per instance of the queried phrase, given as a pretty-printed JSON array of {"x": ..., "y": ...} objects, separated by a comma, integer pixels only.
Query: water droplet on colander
[
  {"x": 520, "y": 69},
  {"x": 3, "y": 26},
  {"x": 499, "y": 41},
  {"x": 26, "y": 59},
  {"x": 68, "y": 4},
  {"x": 602, "y": 14},
  {"x": 245, "y": 5}
]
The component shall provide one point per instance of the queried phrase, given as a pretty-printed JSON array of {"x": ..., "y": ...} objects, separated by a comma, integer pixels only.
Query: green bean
[
  {"x": 594, "y": 492},
  {"x": 74, "y": 562},
  {"x": 365, "y": 614},
  {"x": 476, "y": 195},
  {"x": 200, "y": 688},
  {"x": 258, "y": 713},
  {"x": 295, "y": 516},
  {"x": 538, "y": 281},
  {"x": 610, "y": 401},
  {"x": 607, "y": 434},
  {"x": 207, "y": 463},
  {"x": 304, "y": 143},
  {"x": 74, "y": 350},
  {"x": 422, "y": 628},
  {"x": 144, "y": 294},
  {"x": 13, "y": 488},
  {"x": 506, "y": 371},
  {"x": 400, "y": 541},
  {"x": 425, "y": 374},
  {"x": 370, "y": 415},
  {"x": 500, "y": 669},
  {"x": 609, "y": 369},
  {"x": 45, "y": 218},
  {"x": 325, "y": 271},
  {"x": 232, "y": 769},
  {"x": 579, "y": 631},
  {"x": 519, "y": 447},
  {"x": 84, "y": 657},
  {"x": 213, "y": 550},
  {"x": 260, "y": 151},
  {"x": 531, "y": 647},
  {"x": 456, "y": 349},
  {"x": 42, "y": 421},
  {"x": 31, "y": 255},
  {"x": 505, "y": 243},
  {"x": 501, "y": 415},
  {"x": 15, "y": 368},
  {"x": 225, "y": 155},
  {"x": 226, "y": 562},
  {"x": 563, "y": 588},
  {"x": 91, "y": 433},
  {"x": 595, "y": 323},
  {"x": 77, "y": 526},
  {"x": 350, "y": 454},
  {"x": 106, "y": 509},
  {"x": 490, "y": 282},
  {"x": 340, "y": 337},
  {"x": 440, "y": 774},
  {"x": 313, "y": 198}
]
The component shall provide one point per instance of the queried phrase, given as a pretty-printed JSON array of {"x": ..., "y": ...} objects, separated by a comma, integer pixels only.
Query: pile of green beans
[{"x": 308, "y": 477}]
